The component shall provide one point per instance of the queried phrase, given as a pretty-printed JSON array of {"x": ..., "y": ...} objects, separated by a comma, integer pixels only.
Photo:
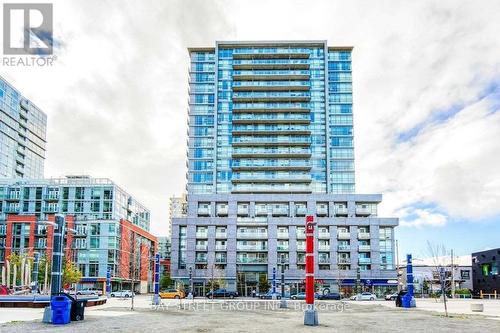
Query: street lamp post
[
  {"x": 57, "y": 254},
  {"x": 283, "y": 303}
]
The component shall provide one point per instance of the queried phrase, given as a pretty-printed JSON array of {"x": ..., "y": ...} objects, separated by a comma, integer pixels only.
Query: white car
[
  {"x": 121, "y": 293},
  {"x": 90, "y": 291},
  {"x": 364, "y": 297}
]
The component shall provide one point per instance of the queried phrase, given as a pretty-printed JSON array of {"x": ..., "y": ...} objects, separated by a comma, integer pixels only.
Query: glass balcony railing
[
  {"x": 363, "y": 211},
  {"x": 201, "y": 235},
  {"x": 262, "y": 94},
  {"x": 343, "y": 235},
  {"x": 282, "y": 247},
  {"x": 270, "y": 61},
  {"x": 51, "y": 197},
  {"x": 220, "y": 247},
  {"x": 271, "y": 151},
  {"x": 344, "y": 260},
  {"x": 220, "y": 235},
  {"x": 324, "y": 260},
  {"x": 201, "y": 259},
  {"x": 324, "y": 235},
  {"x": 270, "y": 72},
  {"x": 271, "y": 50},
  {"x": 283, "y": 235},
  {"x": 201, "y": 247},
  {"x": 220, "y": 260},
  {"x": 363, "y": 235},
  {"x": 343, "y": 248},
  {"x": 257, "y": 219},
  {"x": 269, "y": 128},
  {"x": 364, "y": 260},
  {"x": 281, "y": 83},
  {"x": 364, "y": 248},
  {"x": 251, "y": 235},
  {"x": 272, "y": 116},
  {"x": 271, "y": 106},
  {"x": 271, "y": 187},
  {"x": 261, "y": 247},
  {"x": 253, "y": 176},
  {"x": 271, "y": 163},
  {"x": 291, "y": 140},
  {"x": 246, "y": 260},
  {"x": 324, "y": 247},
  {"x": 341, "y": 211}
]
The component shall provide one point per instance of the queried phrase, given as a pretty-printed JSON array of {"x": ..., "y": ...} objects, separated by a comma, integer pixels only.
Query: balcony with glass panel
[
  {"x": 340, "y": 211},
  {"x": 271, "y": 96},
  {"x": 270, "y": 188},
  {"x": 271, "y": 118},
  {"x": 271, "y": 53},
  {"x": 254, "y": 140},
  {"x": 364, "y": 261},
  {"x": 258, "y": 247},
  {"x": 220, "y": 259},
  {"x": 323, "y": 234},
  {"x": 270, "y": 165},
  {"x": 252, "y": 220},
  {"x": 50, "y": 209},
  {"x": 364, "y": 248},
  {"x": 362, "y": 210},
  {"x": 201, "y": 258},
  {"x": 270, "y": 64},
  {"x": 363, "y": 235},
  {"x": 323, "y": 258},
  {"x": 282, "y": 85},
  {"x": 51, "y": 196},
  {"x": 301, "y": 233},
  {"x": 201, "y": 247},
  {"x": 265, "y": 129},
  {"x": 271, "y": 107},
  {"x": 251, "y": 258},
  {"x": 344, "y": 247},
  {"x": 283, "y": 234},
  {"x": 343, "y": 235},
  {"x": 343, "y": 260},
  {"x": 13, "y": 196},
  {"x": 301, "y": 258},
  {"x": 220, "y": 234},
  {"x": 261, "y": 152},
  {"x": 201, "y": 234},
  {"x": 269, "y": 75},
  {"x": 324, "y": 246},
  {"x": 251, "y": 235},
  {"x": 12, "y": 209},
  {"x": 259, "y": 177}
]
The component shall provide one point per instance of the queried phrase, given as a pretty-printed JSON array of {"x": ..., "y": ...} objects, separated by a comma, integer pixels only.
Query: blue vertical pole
[
  {"x": 34, "y": 274},
  {"x": 57, "y": 256},
  {"x": 108, "y": 282},
  {"x": 274, "y": 281},
  {"x": 409, "y": 274},
  {"x": 156, "y": 298}
]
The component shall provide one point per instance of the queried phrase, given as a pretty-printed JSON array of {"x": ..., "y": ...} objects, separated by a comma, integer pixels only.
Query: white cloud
[{"x": 116, "y": 99}]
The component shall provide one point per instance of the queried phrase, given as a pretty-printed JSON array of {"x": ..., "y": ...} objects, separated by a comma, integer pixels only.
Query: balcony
[
  {"x": 345, "y": 248},
  {"x": 202, "y": 247},
  {"x": 301, "y": 247},
  {"x": 323, "y": 247},
  {"x": 246, "y": 260},
  {"x": 251, "y": 220},
  {"x": 282, "y": 247},
  {"x": 253, "y": 140},
  {"x": 363, "y": 235},
  {"x": 324, "y": 260},
  {"x": 257, "y": 248},
  {"x": 341, "y": 211},
  {"x": 271, "y": 85},
  {"x": 271, "y": 187},
  {"x": 270, "y": 75},
  {"x": 200, "y": 260},
  {"x": 301, "y": 211},
  {"x": 343, "y": 235},
  {"x": 255, "y": 131},
  {"x": 363, "y": 211},
  {"x": 201, "y": 235},
  {"x": 252, "y": 235},
  {"x": 364, "y": 261},
  {"x": 13, "y": 196},
  {"x": 279, "y": 165},
  {"x": 284, "y": 235},
  {"x": 344, "y": 260},
  {"x": 12, "y": 209},
  {"x": 275, "y": 64},
  {"x": 301, "y": 235},
  {"x": 203, "y": 211},
  {"x": 280, "y": 211},
  {"x": 301, "y": 260},
  {"x": 220, "y": 247},
  {"x": 222, "y": 211},
  {"x": 242, "y": 211},
  {"x": 364, "y": 248},
  {"x": 51, "y": 197},
  {"x": 295, "y": 53},
  {"x": 50, "y": 209},
  {"x": 220, "y": 235},
  {"x": 324, "y": 235},
  {"x": 322, "y": 211},
  {"x": 222, "y": 260}
]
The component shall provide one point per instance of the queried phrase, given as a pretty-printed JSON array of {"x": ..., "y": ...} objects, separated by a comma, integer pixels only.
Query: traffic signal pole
[{"x": 310, "y": 314}]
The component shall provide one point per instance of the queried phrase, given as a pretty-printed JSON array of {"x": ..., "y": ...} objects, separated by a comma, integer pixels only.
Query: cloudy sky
[{"x": 426, "y": 98}]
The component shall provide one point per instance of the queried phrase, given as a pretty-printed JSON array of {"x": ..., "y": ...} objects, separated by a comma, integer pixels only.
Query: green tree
[
  {"x": 165, "y": 281},
  {"x": 71, "y": 274},
  {"x": 44, "y": 264},
  {"x": 264, "y": 285}
]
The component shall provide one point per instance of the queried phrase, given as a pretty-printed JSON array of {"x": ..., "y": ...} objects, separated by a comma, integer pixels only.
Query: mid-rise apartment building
[
  {"x": 271, "y": 141},
  {"x": 22, "y": 135},
  {"x": 111, "y": 227}
]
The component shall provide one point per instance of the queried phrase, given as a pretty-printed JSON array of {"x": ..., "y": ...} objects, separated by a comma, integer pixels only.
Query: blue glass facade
[{"x": 270, "y": 118}]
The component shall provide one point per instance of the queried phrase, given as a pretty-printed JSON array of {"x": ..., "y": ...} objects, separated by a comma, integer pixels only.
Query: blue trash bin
[
  {"x": 406, "y": 301},
  {"x": 61, "y": 310}
]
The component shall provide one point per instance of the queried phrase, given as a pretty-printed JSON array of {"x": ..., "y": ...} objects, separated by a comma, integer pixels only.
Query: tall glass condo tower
[{"x": 271, "y": 141}]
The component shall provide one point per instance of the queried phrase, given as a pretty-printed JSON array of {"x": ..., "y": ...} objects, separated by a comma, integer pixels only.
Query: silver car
[
  {"x": 121, "y": 293},
  {"x": 366, "y": 296}
]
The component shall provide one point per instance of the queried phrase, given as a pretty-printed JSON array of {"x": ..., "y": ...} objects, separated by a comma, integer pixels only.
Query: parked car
[
  {"x": 335, "y": 296},
  {"x": 90, "y": 291},
  {"x": 222, "y": 293},
  {"x": 269, "y": 295},
  {"x": 366, "y": 296},
  {"x": 303, "y": 296},
  {"x": 172, "y": 293},
  {"x": 391, "y": 297},
  {"x": 122, "y": 293}
]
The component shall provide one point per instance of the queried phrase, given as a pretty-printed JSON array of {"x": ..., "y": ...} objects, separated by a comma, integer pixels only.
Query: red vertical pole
[{"x": 310, "y": 260}]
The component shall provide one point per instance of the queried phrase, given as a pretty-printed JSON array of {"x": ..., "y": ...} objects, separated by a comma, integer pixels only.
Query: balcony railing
[
  {"x": 51, "y": 197},
  {"x": 301, "y": 247},
  {"x": 363, "y": 235},
  {"x": 251, "y": 235},
  {"x": 243, "y": 260},
  {"x": 220, "y": 260},
  {"x": 324, "y": 260},
  {"x": 301, "y": 235},
  {"x": 344, "y": 248},
  {"x": 343, "y": 235},
  {"x": 201, "y": 259},
  {"x": 341, "y": 211},
  {"x": 201, "y": 235},
  {"x": 220, "y": 235},
  {"x": 364, "y": 248},
  {"x": 324, "y": 247},
  {"x": 344, "y": 260},
  {"x": 364, "y": 260},
  {"x": 203, "y": 212},
  {"x": 282, "y": 247},
  {"x": 324, "y": 235},
  {"x": 222, "y": 211},
  {"x": 283, "y": 235},
  {"x": 220, "y": 247},
  {"x": 251, "y": 247},
  {"x": 202, "y": 247},
  {"x": 363, "y": 211}
]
